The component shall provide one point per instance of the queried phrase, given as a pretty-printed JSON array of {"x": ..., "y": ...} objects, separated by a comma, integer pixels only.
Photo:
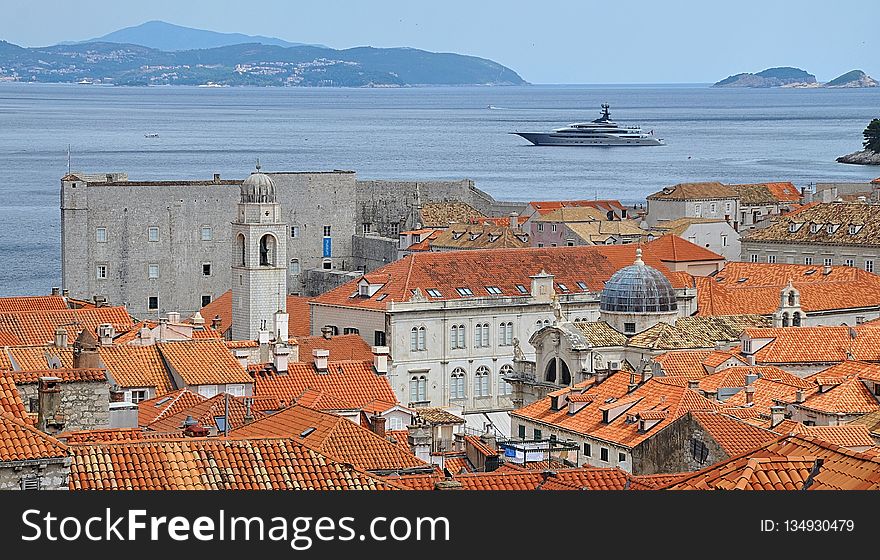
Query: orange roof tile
[
  {"x": 203, "y": 362},
  {"x": 19, "y": 441},
  {"x": 112, "y": 434},
  {"x": 66, "y": 375},
  {"x": 767, "y": 394},
  {"x": 333, "y": 435},
  {"x": 849, "y": 435},
  {"x": 36, "y": 357},
  {"x": 214, "y": 464},
  {"x": 457, "y": 464},
  {"x": 543, "y": 207},
  {"x": 399, "y": 438},
  {"x": 297, "y": 309},
  {"x": 38, "y": 327},
  {"x": 817, "y": 344},
  {"x": 481, "y": 447},
  {"x": 734, "y": 377},
  {"x": 206, "y": 413},
  {"x": 850, "y": 397},
  {"x": 136, "y": 366},
  {"x": 672, "y": 248},
  {"x": 732, "y": 434},
  {"x": 347, "y": 385},
  {"x": 153, "y": 409},
  {"x": 349, "y": 347},
  {"x": 31, "y": 303},
  {"x": 10, "y": 398}
]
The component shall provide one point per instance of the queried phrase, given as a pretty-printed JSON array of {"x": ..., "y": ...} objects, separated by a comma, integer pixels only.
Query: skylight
[
  {"x": 563, "y": 287},
  {"x": 521, "y": 289},
  {"x": 434, "y": 292},
  {"x": 493, "y": 289},
  {"x": 464, "y": 291},
  {"x": 582, "y": 286},
  {"x": 383, "y": 296}
]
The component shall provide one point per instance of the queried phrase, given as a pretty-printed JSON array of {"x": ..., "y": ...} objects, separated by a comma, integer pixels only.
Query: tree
[{"x": 872, "y": 136}]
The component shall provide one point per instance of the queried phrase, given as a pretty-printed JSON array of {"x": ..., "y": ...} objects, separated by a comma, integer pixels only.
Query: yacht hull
[{"x": 551, "y": 139}]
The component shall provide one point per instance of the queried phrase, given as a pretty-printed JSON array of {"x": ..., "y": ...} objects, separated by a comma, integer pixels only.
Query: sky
[{"x": 549, "y": 41}]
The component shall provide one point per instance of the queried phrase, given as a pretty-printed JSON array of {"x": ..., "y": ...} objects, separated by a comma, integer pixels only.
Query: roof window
[
  {"x": 464, "y": 291},
  {"x": 434, "y": 292},
  {"x": 493, "y": 289}
]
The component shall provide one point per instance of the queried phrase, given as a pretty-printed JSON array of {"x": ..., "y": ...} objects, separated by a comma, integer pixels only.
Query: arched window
[
  {"x": 481, "y": 382},
  {"x": 505, "y": 334},
  {"x": 505, "y": 388},
  {"x": 417, "y": 339},
  {"x": 796, "y": 320},
  {"x": 791, "y": 299},
  {"x": 457, "y": 337},
  {"x": 565, "y": 375},
  {"x": 267, "y": 250},
  {"x": 240, "y": 249},
  {"x": 785, "y": 319},
  {"x": 418, "y": 386},
  {"x": 481, "y": 335},
  {"x": 456, "y": 384}
]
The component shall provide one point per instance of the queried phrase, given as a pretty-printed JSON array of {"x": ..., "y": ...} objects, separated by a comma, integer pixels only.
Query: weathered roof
[
  {"x": 796, "y": 228},
  {"x": 298, "y": 311},
  {"x": 20, "y": 441},
  {"x": 203, "y": 362},
  {"x": 732, "y": 434},
  {"x": 484, "y": 236},
  {"x": 437, "y": 415},
  {"x": 441, "y": 214},
  {"x": 348, "y": 347},
  {"x": 38, "y": 326}
]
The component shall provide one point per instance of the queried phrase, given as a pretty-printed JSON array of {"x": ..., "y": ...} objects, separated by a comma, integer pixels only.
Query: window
[
  {"x": 394, "y": 227},
  {"x": 827, "y": 262},
  {"x": 30, "y": 483},
  {"x": 540, "y": 245},
  {"x": 434, "y": 293},
  {"x": 562, "y": 287},
  {"x": 505, "y": 334},
  {"x": 582, "y": 286},
  {"x": 621, "y": 457},
  {"x": 698, "y": 209},
  {"x": 540, "y": 227},
  {"x": 521, "y": 289},
  {"x": 771, "y": 259},
  {"x": 869, "y": 266},
  {"x": 326, "y": 231},
  {"x": 464, "y": 291},
  {"x": 368, "y": 227},
  {"x": 849, "y": 262},
  {"x": 236, "y": 390},
  {"x": 294, "y": 266},
  {"x": 417, "y": 339},
  {"x": 724, "y": 241},
  {"x": 505, "y": 388},
  {"x": 138, "y": 396},
  {"x": 101, "y": 271},
  {"x": 294, "y": 231},
  {"x": 860, "y": 319},
  {"x": 206, "y": 299},
  {"x": 553, "y": 228},
  {"x": 536, "y": 433},
  {"x": 699, "y": 451},
  {"x": 588, "y": 450},
  {"x": 603, "y": 454},
  {"x": 101, "y": 235},
  {"x": 522, "y": 432},
  {"x": 456, "y": 384},
  {"x": 713, "y": 208},
  {"x": 853, "y": 229},
  {"x": 153, "y": 234},
  {"x": 326, "y": 264},
  {"x": 481, "y": 382},
  {"x": 569, "y": 243},
  {"x": 481, "y": 335},
  {"x": 457, "y": 337},
  {"x": 814, "y": 228},
  {"x": 808, "y": 260},
  {"x": 153, "y": 271},
  {"x": 207, "y": 233},
  {"x": 553, "y": 244},
  {"x": 378, "y": 338},
  {"x": 493, "y": 290},
  {"x": 418, "y": 386},
  {"x": 350, "y": 330},
  {"x": 206, "y": 269},
  {"x": 629, "y": 328},
  {"x": 727, "y": 208},
  {"x": 753, "y": 257},
  {"x": 153, "y": 302}
]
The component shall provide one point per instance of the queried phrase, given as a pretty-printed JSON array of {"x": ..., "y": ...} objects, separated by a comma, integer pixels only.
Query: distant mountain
[
  {"x": 853, "y": 78},
  {"x": 169, "y": 37},
  {"x": 771, "y": 77},
  {"x": 248, "y": 64}
]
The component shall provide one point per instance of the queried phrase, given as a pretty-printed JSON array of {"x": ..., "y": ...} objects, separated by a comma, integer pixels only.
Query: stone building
[
  {"x": 83, "y": 397},
  {"x": 165, "y": 246},
  {"x": 584, "y": 225},
  {"x": 717, "y": 235},
  {"x": 823, "y": 234}
]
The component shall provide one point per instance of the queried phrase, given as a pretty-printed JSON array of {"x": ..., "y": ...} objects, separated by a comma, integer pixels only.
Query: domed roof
[
  {"x": 638, "y": 288},
  {"x": 258, "y": 187}
]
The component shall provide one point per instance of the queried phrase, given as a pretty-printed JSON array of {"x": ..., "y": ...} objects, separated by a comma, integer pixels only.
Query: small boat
[{"x": 151, "y": 135}]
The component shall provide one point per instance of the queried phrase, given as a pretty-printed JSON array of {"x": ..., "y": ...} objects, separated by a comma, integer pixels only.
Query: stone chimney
[
  {"x": 750, "y": 394},
  {"x": 447, "y": 485},
  {"x": 380, "y": 359},
  {"x": 327, "y": 332},
  {"x": 248, "y": 410},
  {"x": 694, "y": 384},
  {"x": 49, "y": 416},
  {"x": 263, "y": 339},
  {"x": 799, "y": 396},
  {"x": 197, "y": 320},
  {"x": 488, "y": 438},
  {"x": 280, "y": 327},
  {"x": 60, "y": 337},
  {"x": 216, "y": 177},
  {"x": 241, "y": 355},
  {"x": 56, "y": 291},
  {"x": 85, "y": 351},
  {"x": 777, "y": 415},
  {"x": 216, "y": 322},
  {"x": 282, "y": 357},
  {"x": 377, "y": 425},
  {"x": 117, "y": 394},
  {"x": 174, "y": 317},
  {"x": 106, "y": 333},
  {"x": 514, "y": 221},
  {"x": 65, "y": 293},
  {"x": 321, "y": 356}
]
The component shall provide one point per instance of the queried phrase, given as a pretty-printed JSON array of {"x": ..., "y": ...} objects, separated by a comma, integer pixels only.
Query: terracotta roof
[
  {"x": 167, "y": 404},
  {"x": 10, "y": 398},
  {"x": 91, "y": 436},
  {"x": 35, "y": 357},
  {"x": 817, "y": 344},
  {"x": 654, "y": 481},
  {"x": 441, "y": 214},
  {"x": 849, "y": 435},
  {"x": 136, "y": 366},
  {"x": 546, "y": 206},
  {"x": 849, "y": 397},
  {"x": 789, "y": 463},
  {"x": 31, "y": 303},
  {"x": 19, "y": 441},
  {"x": 437, "y": 415},
  {"x": 399, "y": 438},
  {"x": 727, "y": 328},
  {"x": 457, "y": 464},
  {"x": 664, "y": 336},
  {"x": 66, "y": 375},
  {"x": 38, "y": 327},
  {"x": 767, "y": 193},
  {"x": 600, "y": 333},
  {"x": 870, "y": 420},
  {"x": 695, "y": 191},
  {"x": 334, "y": 435},
  {"x": 297, "y": 309},
  {"x": 347, "y": 385},
  {"x": 680, "y": 225},
  {"x": 767, "y": 394},
  {"x": 600, "y": 231},
  {"x": 498, "y": 220},
  {"x": 501, "y": 268},
  {"x": 657, "y": 394},
  {"x": 733, "y": 435},
  {"x": 572, "y": 479},
  {"x": 206, "y": 413},
  {"x": 348, "y": 347},
  {"x": 203, "y": 362},
  {"x": 718, "y": 357},
  {"x": 749, "y": 194},
  {"x": 214, "y": 464},
  {"x": 735, "y": 377},
  {"x": 572, "y": 214},
  {"x": 181, "y": 330},
  {"x": 849, "y": 368},
  {"x": 683, "y": 363},
  {"x": 864, "y": 217},
  {"x": 481, "y": 447},
  {"x": 672, "y": 248},
  {"x": 476, "y": 236}
]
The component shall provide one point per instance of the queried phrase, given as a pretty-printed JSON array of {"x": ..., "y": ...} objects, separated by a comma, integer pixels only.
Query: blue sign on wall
[{"x": 327, "y": 241}]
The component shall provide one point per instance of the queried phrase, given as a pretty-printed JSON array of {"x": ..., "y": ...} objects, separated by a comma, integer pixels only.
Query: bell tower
[{"x": 259, "y": 275}]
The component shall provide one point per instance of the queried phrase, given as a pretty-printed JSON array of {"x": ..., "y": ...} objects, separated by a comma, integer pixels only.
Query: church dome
[
  {"x": 638, "y": 288},
  {"x": 258, "y": 187}
]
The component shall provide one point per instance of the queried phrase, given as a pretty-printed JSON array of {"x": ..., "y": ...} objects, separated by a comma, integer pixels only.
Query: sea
[{"x": 711, "y": 134}]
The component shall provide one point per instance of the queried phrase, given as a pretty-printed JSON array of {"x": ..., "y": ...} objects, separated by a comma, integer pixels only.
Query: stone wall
[
  {"x": 669, "y": 450},
  {"x": 52, "y": 473},
  {"x": 371, "y": 251},
  {"x": 84, "y": 404},
  {"x": 316, "y": 281}
]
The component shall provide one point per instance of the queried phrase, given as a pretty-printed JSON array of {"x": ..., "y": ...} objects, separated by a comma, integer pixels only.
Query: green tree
[{"x": 872, "y": 136}]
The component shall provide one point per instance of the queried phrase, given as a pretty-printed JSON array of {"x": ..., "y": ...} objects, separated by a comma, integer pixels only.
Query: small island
[
  {"x": 852, "y": 79},
  {"x": 870, "y": 155},
  {"x": 788, "y": 77}
]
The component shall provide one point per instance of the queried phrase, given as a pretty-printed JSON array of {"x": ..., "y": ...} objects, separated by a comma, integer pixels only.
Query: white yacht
[{"x": 600, "y": 132}]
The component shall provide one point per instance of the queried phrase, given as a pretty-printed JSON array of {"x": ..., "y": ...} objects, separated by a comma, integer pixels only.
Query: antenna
[
  {"x": 68, "y": 159},
  {"x": 258, "y": 165}
]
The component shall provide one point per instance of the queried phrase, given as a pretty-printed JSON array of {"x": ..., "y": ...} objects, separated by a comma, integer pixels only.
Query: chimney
[
  {"x": 380, "y": 359},
  {"x": 85, "y": 351},
  {"x": 197, "y": 319},
  {"x": 826, "y": 270},
  {"x": 248, "y": 410},
  {"x": 49, "y": 417},
  {"x": 751, "y": 359},
  {"x": 321, "y": 357},
  {"x": 751, "y": 378},
  {"x": 447, "y": 485},
  {"x": 242, "y": 356},
  {"x": 100, "y": 301},
  {"x": 327, "y": 332},
  {"x": 488, "y": 438},
  {"x": 106, "y": 332},
  {"x": 799, "y": 396},
  {"x": 377, "y": 425},
  {"x": 65, "y": 293},
  {"x": 216, "y": 177},
  {"x": 694, "y": 384},
  {"x": 282, "y": 356},
  {"x": 265, "y": 349},
  {"x": 633, "y": 383},
  {"x": 117, "y": 394},
  {"x": 216, "y": 322},
  {"x": 281, "y": 331},
  {"x": 60, "y": 337},
  {"x": 174, "y": 317},
  {"x": 56, "y": 291},
  {"x": 750, "y": 394},
  {"x": 777, "y": 415},
  {"x": 514, "y": 221}
]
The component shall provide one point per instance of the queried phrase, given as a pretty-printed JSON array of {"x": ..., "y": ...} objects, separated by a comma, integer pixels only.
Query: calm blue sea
[{"x": 712, "y": 134}]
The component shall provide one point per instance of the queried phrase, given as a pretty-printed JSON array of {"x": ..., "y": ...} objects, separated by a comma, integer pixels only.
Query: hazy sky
[{"x": 586, "y": 41}]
